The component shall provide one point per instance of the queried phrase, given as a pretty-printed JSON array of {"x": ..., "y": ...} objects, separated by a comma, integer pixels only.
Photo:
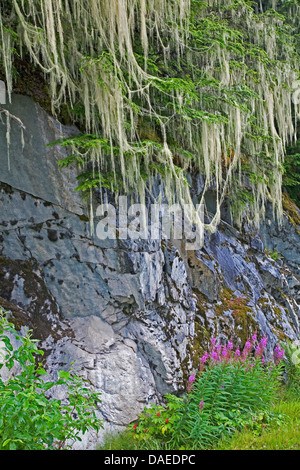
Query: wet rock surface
[{"x": 135, "y": 316}]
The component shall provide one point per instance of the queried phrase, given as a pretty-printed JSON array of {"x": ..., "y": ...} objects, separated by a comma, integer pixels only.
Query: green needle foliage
[
  {"x": 291, "y": 177},
  {"x": 29, "y": 418}
]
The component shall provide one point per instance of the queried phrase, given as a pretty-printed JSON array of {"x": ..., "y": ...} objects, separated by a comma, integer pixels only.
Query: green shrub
[
  {"x": 29, "y": 419},
  {"x": 156, "y": 421}
]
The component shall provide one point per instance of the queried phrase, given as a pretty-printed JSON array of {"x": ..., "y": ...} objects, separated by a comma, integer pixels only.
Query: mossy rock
[{"x": 292, "y": 211}]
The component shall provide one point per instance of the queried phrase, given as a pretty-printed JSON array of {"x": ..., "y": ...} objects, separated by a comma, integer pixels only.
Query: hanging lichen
[{"x": 162, "y": 88}]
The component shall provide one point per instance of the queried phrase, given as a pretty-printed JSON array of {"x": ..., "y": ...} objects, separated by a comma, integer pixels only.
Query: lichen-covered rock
[{"x": 135, "y": 316}]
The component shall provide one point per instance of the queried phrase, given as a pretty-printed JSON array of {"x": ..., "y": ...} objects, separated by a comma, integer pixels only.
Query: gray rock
[
  {"x": 33, "y": 167},
  {"x": 132, "y": 314}
]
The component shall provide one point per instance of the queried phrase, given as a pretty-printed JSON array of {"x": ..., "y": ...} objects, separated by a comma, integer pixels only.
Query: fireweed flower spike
[
  {"x": 219, "y": 350},
  {"x": 246, "y": 349},
  {"x": 214, "y": 356},
  {"x": 203, "y": 360},
  {"x": 190, "y": 383},
  {"x": 261, "y": 347},
  {"x": 201, "y": 405},
  {"x": 237, "y": 353},
  {"x": 263, "y": 341},
  {"x": 258, "y": 351},
  {"x": 278, "y": 354},
  {"x": 224, "y": 352}
]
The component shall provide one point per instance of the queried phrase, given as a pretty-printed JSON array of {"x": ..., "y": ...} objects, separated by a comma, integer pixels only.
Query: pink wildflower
[
  {"x": 261, "y": 347},
  {"x": 214, "y": 355},
  {"x": 237, "y": 353},
  {"x": 201, "y": 405},
  {"x": 278, "y": 354},
  {"x": 203, "y": 361},
  {"x": 204, "y": 358},
  {"x": 263, "y": 342},
  {"x": 258, "y": 351},
  {"x": 246, "y": 349},
  {"x": 190, "y": 383}
]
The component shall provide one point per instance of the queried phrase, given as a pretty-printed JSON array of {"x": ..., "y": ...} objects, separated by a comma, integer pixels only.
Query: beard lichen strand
[
  {"x": 7, "y": 47},
  {"x": 103, "y": 88}
]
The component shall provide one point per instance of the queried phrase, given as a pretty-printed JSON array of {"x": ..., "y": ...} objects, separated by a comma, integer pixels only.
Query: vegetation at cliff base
[{"x": 236, "y": 400}]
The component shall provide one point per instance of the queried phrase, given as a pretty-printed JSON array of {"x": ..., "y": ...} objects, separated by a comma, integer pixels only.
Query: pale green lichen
[{"x": 101, "y": 54}]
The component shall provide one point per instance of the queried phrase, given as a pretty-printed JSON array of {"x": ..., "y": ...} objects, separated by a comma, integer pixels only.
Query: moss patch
[
  {"x": 292, "y": 211},
  {"x": 201, "y": 340},
  {"x": 244, "y": 323},
  {"x": 40, "y": 305}
]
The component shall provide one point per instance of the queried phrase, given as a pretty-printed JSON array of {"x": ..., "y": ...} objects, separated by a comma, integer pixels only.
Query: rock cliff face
[{"x": 135, "y": 316}]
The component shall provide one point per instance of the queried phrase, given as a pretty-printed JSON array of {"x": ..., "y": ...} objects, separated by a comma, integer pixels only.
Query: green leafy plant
[
  {"x": 292, "y": 367},
  {"x": 291, "y": 176},
  {"x": 274, "y": 254},
  {"x": 157, "y": 421},
  {"x": 29, "y": 418}
]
